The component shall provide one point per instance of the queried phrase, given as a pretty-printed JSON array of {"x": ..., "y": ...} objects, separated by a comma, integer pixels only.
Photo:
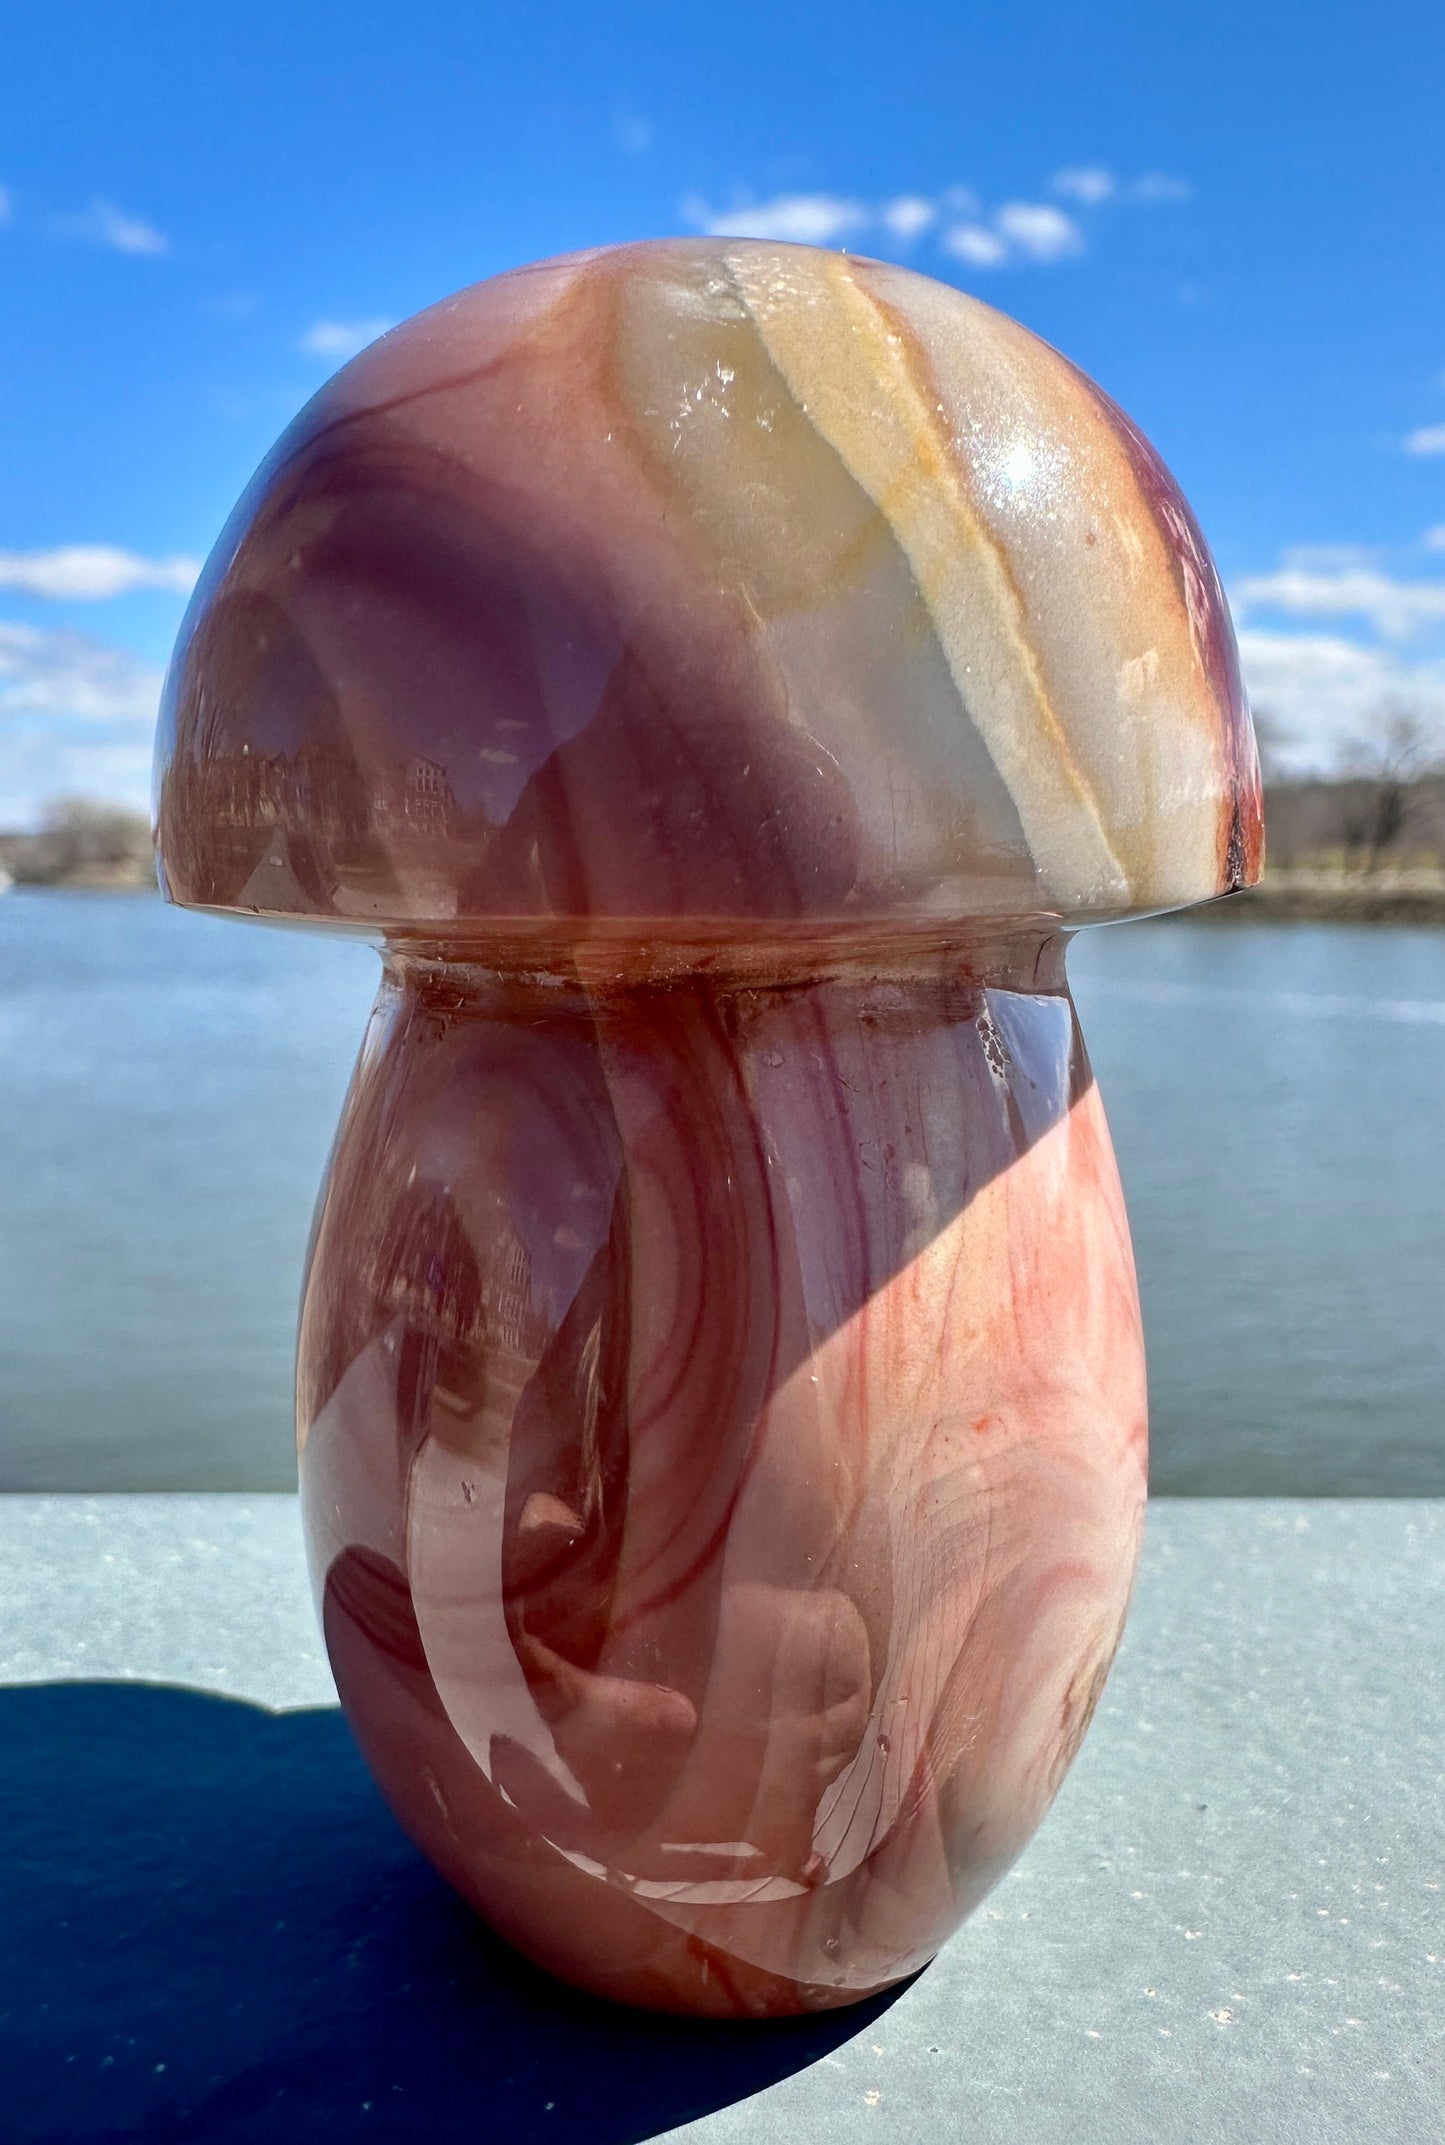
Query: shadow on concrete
[{"x": 210, "y": 1928}]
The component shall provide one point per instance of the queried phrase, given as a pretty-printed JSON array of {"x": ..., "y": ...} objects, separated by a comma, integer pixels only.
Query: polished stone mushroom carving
[{"x": 721, "y": 675}]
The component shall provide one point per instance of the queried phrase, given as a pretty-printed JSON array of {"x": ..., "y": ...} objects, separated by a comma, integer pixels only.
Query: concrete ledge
[
  {"x": 1232, "y": 1928},
  {"x": 206, "y": 1591}
]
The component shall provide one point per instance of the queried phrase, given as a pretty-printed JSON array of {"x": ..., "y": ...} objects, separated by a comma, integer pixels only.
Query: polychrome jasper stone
[{"x": 721, "y": 675}]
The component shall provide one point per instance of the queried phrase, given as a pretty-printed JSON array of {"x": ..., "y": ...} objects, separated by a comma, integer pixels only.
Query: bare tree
[
  {"x": 81, "y": 833},
  {"x": 1382, "y": 765}
]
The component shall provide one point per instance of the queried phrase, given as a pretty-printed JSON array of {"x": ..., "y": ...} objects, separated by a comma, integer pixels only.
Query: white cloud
[
  {"x": 76, "y": 716},
  {"x": 1426, "y": 439},
  {"x": 1022, "y": 230},
  {"x": 1039, "y": 231},
  {"x": 1434, "y": 539},
  {"x": 1328, "y": 558},
  {"x": 37, "y": 769},
  {"x": 1091, "y": 185},
  {"x": 806, "y": 219},
  {"x": 1396, "y": 609},
  {"x": 338, "y": 339},
  {"x": 1322, "y": 690},
  {"x": 1088, "y": 183},
  {"x": 103, "y": 224},
  {"x": 972, "y": 243},
  {"x": 908, "y": 217},
  {"x": 43, "y": 672},
  {"x": 1324, "y": 687},
  {"x": 93, "y": 572}
]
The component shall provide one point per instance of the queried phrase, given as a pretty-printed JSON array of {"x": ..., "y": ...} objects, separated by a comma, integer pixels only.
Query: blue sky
[{"x": 1232, "y": 215}]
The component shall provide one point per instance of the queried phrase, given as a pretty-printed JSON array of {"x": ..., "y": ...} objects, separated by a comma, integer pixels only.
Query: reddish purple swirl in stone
[{"x": 723, "y": 1452}]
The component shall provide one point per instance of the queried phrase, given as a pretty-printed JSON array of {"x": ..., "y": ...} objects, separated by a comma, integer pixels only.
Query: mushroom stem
[{"x": 722, "y": 1419}]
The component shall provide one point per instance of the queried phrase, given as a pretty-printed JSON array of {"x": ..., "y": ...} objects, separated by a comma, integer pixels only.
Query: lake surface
[{"x": 169, "y": 1085}]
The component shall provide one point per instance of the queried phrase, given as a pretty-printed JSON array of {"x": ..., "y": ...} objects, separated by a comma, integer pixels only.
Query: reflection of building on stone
[
  {"x": 471, "y": 1330},
  {"x": 428, "y": 805},
  {"x": 507, "y": 1295},
  {"x": 302, "y": 807},
  {"x": 516, "y": 1333},
  {"x": 318, "y": 810},
  {"x": 320, "y": 793}
]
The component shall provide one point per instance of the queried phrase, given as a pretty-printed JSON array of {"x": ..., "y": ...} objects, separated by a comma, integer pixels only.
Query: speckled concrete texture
[
  {"x": 206, "y": 1591},
  {"x": 1231, "y": 1929}
]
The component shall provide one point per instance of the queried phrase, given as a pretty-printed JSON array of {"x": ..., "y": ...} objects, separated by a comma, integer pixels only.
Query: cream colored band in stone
[{"x": 858, "y": 381}]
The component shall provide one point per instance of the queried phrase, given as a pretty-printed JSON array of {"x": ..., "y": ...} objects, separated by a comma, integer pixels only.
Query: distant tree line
[
  {"x": 1383, "y": 809},
  {"x": 82, "y": 842}
]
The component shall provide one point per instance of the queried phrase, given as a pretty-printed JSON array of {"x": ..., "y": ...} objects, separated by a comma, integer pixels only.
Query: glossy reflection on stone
[
  {"x": 721, "y": 674},
  {"x": 707, "y": 582},
  {"x": 723, "y": 1444}
]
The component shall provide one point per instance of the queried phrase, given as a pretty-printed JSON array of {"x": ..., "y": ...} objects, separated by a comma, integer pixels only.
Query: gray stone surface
[
  {"x": 1231, "y": 1928},
  {"x": 207, "y": 1591}
]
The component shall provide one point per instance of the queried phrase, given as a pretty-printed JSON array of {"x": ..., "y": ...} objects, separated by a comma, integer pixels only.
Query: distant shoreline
[
  {"x": 89, "y": 879},
  {"x": 1284, "y": 897},
  {"x": 86, "y": 848},
  {"x": 1362, "y": 849},
  {"x": 1333, "y": 897}
]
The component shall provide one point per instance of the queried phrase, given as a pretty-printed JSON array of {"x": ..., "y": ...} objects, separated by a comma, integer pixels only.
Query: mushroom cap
[{"x": 707, "y": 589}]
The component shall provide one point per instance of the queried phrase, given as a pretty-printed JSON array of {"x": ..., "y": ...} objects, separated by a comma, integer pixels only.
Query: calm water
[{"x": 168, "y": 1088}]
